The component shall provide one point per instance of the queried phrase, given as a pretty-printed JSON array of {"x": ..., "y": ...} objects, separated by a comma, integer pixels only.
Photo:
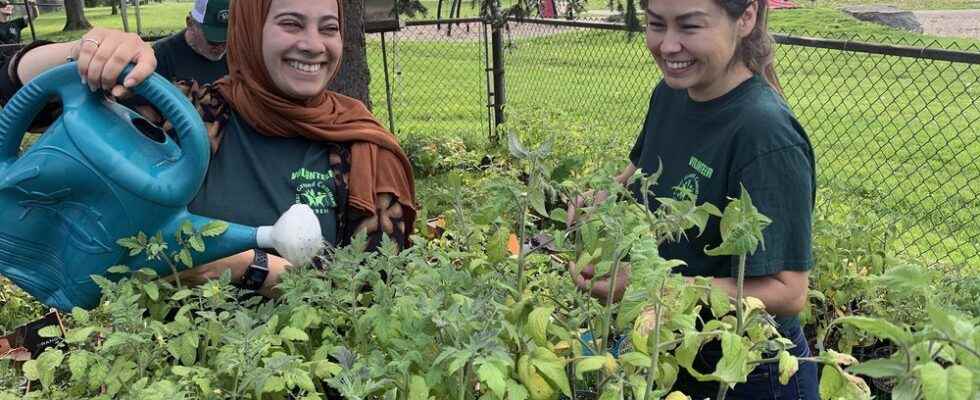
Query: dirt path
[{"x": 953, "y": 23}]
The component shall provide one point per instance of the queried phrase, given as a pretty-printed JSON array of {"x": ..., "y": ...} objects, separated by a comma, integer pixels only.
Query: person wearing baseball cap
[{"x": 197, "y": 53}]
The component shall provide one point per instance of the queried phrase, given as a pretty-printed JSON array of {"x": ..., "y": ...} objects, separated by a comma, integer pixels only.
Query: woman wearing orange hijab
[{"x": 278, "y": 136}]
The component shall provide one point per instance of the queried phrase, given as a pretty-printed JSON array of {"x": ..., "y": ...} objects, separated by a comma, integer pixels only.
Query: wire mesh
[
  {"x": 438, "y": 79},
  {"x": 897, "y": 132}
]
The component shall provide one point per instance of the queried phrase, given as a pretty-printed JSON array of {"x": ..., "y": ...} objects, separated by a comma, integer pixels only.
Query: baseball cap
[{"x": 213, "y": 17}]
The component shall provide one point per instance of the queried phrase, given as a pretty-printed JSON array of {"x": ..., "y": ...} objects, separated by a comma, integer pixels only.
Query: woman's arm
[
  {"x": 101, "y": 54},
  {"x": 237, "y": 264},
  {"x": 784, "y": 294}
]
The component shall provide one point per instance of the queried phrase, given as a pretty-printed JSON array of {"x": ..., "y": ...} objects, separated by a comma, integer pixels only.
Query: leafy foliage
[{"x": 465, "y": 313}]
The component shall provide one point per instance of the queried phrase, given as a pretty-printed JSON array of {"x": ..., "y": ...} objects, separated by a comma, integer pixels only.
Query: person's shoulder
[
  {"x": 168, "y": 43},
  {"x": 766, "y": 123}
]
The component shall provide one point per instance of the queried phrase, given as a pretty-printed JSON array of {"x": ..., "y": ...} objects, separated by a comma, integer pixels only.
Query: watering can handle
[{"x": 63, "y": 81}]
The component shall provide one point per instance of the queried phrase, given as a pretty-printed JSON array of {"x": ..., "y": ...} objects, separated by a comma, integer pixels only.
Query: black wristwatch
[{"x": 257, "y": 272}]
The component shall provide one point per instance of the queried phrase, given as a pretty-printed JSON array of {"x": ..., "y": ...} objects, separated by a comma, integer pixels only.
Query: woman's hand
[
  {"x": 591, "y": 198},
  {"x": 599, "y": 287},
  {"x": 103, "y": 53}
]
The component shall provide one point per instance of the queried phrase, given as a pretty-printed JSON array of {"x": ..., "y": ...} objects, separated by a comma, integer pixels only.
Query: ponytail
[{"x": 757, "y": 49}]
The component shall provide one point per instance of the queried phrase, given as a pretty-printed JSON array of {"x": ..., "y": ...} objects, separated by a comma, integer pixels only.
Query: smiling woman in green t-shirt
[{"x": 717, "y": 121}]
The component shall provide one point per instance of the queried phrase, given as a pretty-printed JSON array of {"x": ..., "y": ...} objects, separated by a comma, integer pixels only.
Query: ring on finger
[{"x": 96, "y": 42}]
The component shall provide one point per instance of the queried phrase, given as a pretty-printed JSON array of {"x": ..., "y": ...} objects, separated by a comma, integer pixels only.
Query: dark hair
[{"x": 756, "y": 49}]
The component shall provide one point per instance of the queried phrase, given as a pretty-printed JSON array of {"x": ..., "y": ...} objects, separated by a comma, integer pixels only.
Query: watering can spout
[{"x": 296, "y": 236}]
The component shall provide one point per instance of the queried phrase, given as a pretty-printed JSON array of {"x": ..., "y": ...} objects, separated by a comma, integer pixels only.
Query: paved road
[{"x": 958, "y": 23}]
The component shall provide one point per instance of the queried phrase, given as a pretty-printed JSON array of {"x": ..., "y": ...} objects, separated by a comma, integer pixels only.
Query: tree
[
  {"x": 75, "y": 16},
  {"x": 354, "y": 77}
]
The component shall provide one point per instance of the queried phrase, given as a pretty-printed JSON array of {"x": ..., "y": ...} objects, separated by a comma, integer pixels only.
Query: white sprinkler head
[{"x": 296, "y": 235}]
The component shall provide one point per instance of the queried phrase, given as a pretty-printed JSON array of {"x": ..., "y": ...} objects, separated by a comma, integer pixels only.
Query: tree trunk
[
  {"x": 354, "y": 77},
  {"x": 115, "y": 9},
  {"x": 75, "y": 16}
]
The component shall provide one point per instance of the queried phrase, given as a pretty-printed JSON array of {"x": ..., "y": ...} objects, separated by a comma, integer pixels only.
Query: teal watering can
[{"x": 100, "y": 173}]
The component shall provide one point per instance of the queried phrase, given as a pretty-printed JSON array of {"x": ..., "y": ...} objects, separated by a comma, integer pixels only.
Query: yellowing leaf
[
  {"x": 675, "y": 395},
  {"x": 537, "y": 325},
  {"x": 589, "y": 364},
  {"x": 842, "y": 359},
  {"x": 788, "y": 365},
  {"x": 752, "y": 304},
  {"x": 837, "y": 384}
]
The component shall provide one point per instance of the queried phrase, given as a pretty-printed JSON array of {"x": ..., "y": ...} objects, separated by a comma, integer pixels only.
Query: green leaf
[
  {"x": 741, "y": 228},
  {"x": 880, "y": 328},
  {"x": 293, "y": 334},
  {"x": 79, "y": 335},
  {"x": 537, "y": 325},
  {"x": 130, "y": 243},
  {"x": 589, "y": 364},
  {"x": 46, "y": 365},
  {"x": 184, "y": 256},
  {"x": 50, "y": 331},
  {"x": 788, "y": 365},
  {"x": 493, "y": 377},
  {"x": 516, "y": 391},
  {"x": 881, "y": 368},
  {"x": 552, "y": 368},
  {"x": 418, "y": 389},
  {"x": 907, "y": 389},
  {"x": 152, "y": 291},
  {"x": 720, "y": 304},
  {"x": 955, "y": 383},
  {"x": 181, "y": 294},
  {"x": 78, "y": 363},
  {"x": 517, "y": 150},
  {"x": 197, "y": 243},
  {"x": 214, "y": 228},
  {"x": 639, "y": 387},
  {"x": 187, "y": 228},
  {"x": 611, "y": 391},
  {"x": 636, "y": 359},
  {"x": 734, "y": 363},
  {"x": 118, "y": 269},
  {"x": 537, "y": 200},
  {"x": 905, "y": 278}
]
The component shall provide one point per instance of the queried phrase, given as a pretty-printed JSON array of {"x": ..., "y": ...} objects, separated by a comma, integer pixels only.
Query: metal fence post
[{"x": 497, "y": 53}]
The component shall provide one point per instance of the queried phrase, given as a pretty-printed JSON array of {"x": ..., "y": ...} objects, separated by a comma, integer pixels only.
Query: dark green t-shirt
[
  {"x": 10, "y": 30},
  {"x": 177, "y": 61},
  {"x": 746, "y": 137},
  {"x": 253, "y": 179}
]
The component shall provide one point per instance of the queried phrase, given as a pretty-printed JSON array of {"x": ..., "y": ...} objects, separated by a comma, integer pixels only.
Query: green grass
[{"x": 157, "y": 19}]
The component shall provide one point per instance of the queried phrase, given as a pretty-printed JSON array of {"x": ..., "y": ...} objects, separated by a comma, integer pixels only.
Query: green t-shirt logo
[
  {"x": 313, "y": 189},
  {"x": 690, "y": 185}
]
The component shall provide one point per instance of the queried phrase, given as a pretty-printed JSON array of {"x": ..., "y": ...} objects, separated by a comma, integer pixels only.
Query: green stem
[
  {"x": 739, "y": 296},
  {"x": 776, "y": 360},
  {"x": 655, "y": 348},
  {"x": 739, "y": 314},
  {"x": 520, "y": 250},
  {"x": 607, "y": 316},
  {"x": 462, "y": 383}
]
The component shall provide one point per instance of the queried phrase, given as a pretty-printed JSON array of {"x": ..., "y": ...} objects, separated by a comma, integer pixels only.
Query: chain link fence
[{"x": 895, "y": 127}]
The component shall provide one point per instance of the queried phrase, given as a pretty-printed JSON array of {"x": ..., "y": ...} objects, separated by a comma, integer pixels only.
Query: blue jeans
[{"x": 763, "y": 381}]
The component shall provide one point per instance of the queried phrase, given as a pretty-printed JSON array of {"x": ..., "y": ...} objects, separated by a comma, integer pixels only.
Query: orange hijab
[{"x": 378, "y": 164}]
